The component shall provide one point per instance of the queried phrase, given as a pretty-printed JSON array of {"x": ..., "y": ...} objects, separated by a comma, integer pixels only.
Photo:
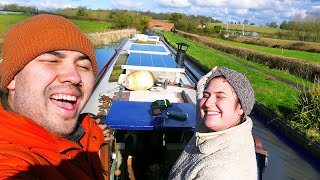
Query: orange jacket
[{"x": 28, "y": 151}]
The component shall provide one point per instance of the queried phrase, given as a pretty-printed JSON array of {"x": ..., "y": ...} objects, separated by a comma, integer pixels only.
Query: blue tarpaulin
[{"x": 132, "y": 115}]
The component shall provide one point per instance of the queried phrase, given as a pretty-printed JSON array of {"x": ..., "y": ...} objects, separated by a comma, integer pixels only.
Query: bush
[
  {"x": 307, "y": 113},
  {"x": 303, "y": 69}
]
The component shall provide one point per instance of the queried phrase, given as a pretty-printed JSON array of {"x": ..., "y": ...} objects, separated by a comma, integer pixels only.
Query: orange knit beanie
[{"x": 37, "y": 35}]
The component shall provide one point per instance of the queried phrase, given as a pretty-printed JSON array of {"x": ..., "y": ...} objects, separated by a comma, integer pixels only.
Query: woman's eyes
[{"x": 207, "y": 95}]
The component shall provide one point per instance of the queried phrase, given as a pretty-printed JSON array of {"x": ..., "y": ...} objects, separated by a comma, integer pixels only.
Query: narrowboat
[{"x": 146, "y": 95}]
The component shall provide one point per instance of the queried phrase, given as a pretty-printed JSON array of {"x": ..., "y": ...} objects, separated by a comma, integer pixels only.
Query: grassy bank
[
  {"x": 269, "y": 92},
  {"x": 308, "y": 56},
  {"x": 92, "y": 26},
  {"x": 238, "y": 27},
  {"x": 277, "y": 96},
  {"x": 7, "y": 20},
  {"x": 301, "y": 68},
  {"x": 278, "y": 43},
  {"x": 98, "y": 32}
]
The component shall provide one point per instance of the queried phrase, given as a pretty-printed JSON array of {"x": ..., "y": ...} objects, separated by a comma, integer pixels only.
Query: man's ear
[
  {"x": 12, "y": 85},
  {"x": 11, "y": 88}
]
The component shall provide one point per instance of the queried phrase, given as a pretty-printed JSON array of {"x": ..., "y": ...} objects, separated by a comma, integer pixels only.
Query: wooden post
[
  {"x": 130, "y": 169},
  {"x": 105, "y": 160}
]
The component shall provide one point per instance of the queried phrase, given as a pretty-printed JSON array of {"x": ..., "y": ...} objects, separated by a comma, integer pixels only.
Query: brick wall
[{"x": 159, "y": 25}]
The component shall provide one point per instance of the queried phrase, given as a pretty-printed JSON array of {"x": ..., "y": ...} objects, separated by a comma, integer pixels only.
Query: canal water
[
  {"x": 286, "y": 161},
  {"x": 104, "y": 53}
]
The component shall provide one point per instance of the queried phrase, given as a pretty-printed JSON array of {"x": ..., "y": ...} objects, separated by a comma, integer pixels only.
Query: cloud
[
  {"x": 235, "y": 4},
  {"x": 55, "y": 4},
  {"x": 174, "y": 3},
  {"x": 127, "y": 4},
  {"x": 2, "y": 3},
  {"x": 241, "y": 11}
]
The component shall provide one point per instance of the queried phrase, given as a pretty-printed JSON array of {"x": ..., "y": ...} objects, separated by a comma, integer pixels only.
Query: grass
[
  {"x": 238, "y": 27},
  {"x": 7, "y": 20},
  {"x": 92, "y": 26},
  {"x": 278, "y": 43},
  {"x": 276, "y": 96},
  {"x": 309, "y": 56},
  {"x": 271, "y": 93}
]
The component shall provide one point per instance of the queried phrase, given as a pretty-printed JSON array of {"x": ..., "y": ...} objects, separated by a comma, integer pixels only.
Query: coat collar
[{"x": 213, "y": 141}]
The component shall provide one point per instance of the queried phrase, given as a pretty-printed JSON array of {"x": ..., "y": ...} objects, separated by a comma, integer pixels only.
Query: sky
[{"x": 259, "y": 12}]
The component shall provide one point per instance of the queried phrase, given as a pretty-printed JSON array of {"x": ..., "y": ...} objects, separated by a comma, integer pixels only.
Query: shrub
[
  {"x": 306, "y": 115},
  {"x": 303, "y": 69}
]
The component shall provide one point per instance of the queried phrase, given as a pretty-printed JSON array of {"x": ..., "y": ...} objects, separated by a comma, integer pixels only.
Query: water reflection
[
  {"x": 285, "y": 161},
  {"x": 104, "y": 53}
]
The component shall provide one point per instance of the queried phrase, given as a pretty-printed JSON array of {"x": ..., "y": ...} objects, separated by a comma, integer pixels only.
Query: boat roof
[{"x": 131, "y": 110}]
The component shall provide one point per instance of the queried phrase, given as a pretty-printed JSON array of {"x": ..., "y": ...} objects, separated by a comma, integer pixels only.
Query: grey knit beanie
[{"x": 240, "y": 84}]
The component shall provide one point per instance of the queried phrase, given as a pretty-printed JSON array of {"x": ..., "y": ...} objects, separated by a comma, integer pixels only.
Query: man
[{"x": 47, "y": 76}]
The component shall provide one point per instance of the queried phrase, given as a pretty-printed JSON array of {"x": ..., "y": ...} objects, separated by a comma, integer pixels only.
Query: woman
[{"x": 223, "y": 146}]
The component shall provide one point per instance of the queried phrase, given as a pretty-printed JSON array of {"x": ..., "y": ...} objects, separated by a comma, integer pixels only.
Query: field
[
  {"x": 92, "y": 26},
  {"x": 308, "y": 56},
  {"x": 7, "y": 20},
  {"x": 275, "y": 89},
  {"x": 238, "y": 27},
  {"x": 269, "y": 92},
  {"x": 278, "y": 43}
]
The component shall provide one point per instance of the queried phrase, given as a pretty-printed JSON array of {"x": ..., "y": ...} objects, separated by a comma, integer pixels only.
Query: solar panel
[
  {"x": 154, "y": 60},
  {"x": 144, "y": 47}
]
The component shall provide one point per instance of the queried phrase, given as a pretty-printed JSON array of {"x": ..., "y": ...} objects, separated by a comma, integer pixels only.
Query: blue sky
[{"x": 259, "y": 12}]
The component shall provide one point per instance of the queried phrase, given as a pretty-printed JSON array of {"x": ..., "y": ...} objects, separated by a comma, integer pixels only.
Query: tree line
[
  {"x": 122, "y": 18},
  {"x": 304, "y": 28}
]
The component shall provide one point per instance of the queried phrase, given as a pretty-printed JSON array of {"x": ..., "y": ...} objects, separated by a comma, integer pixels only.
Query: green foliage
[
  {"x": 143, "y": 23},
  {"x": 82, "y": 11},
  {"x": 7, "y": 20},
  {"x": 17, "y": 8},
  {"x": 272, "y": 25},
  {"x": 176, "y": 17},
  {"x": 183, "y": 23},
  {"x": 308, "y": 56},
  {"x": 302, "y": 27},
  {"x": 275, "y": 95},
  {"x": 281, "y": 45},
  {"x": 210, "y": 30},
  {"x": 121, "y": 21},
  {"x": 304, "y": 69},
  {"x": 92, "y": 26},
  {"x": 307, "y": 112},
  {"x": 238, "y": 27},
  {"x": 126, "y": 20}
]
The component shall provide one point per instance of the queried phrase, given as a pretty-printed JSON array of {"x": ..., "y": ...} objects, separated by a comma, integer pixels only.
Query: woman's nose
[{"x": 210, "y": 101}]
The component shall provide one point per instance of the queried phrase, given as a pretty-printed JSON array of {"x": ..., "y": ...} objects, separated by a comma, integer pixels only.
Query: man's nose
[{"x": 69, "y": 73}]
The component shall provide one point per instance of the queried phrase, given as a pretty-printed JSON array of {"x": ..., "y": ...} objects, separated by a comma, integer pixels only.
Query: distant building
[
  {"x": 252, "y": 34},
  {"x": 201, "y": 25},
  {"x": 160, "y": 25},
  {"x": 8, "y": 12}
]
